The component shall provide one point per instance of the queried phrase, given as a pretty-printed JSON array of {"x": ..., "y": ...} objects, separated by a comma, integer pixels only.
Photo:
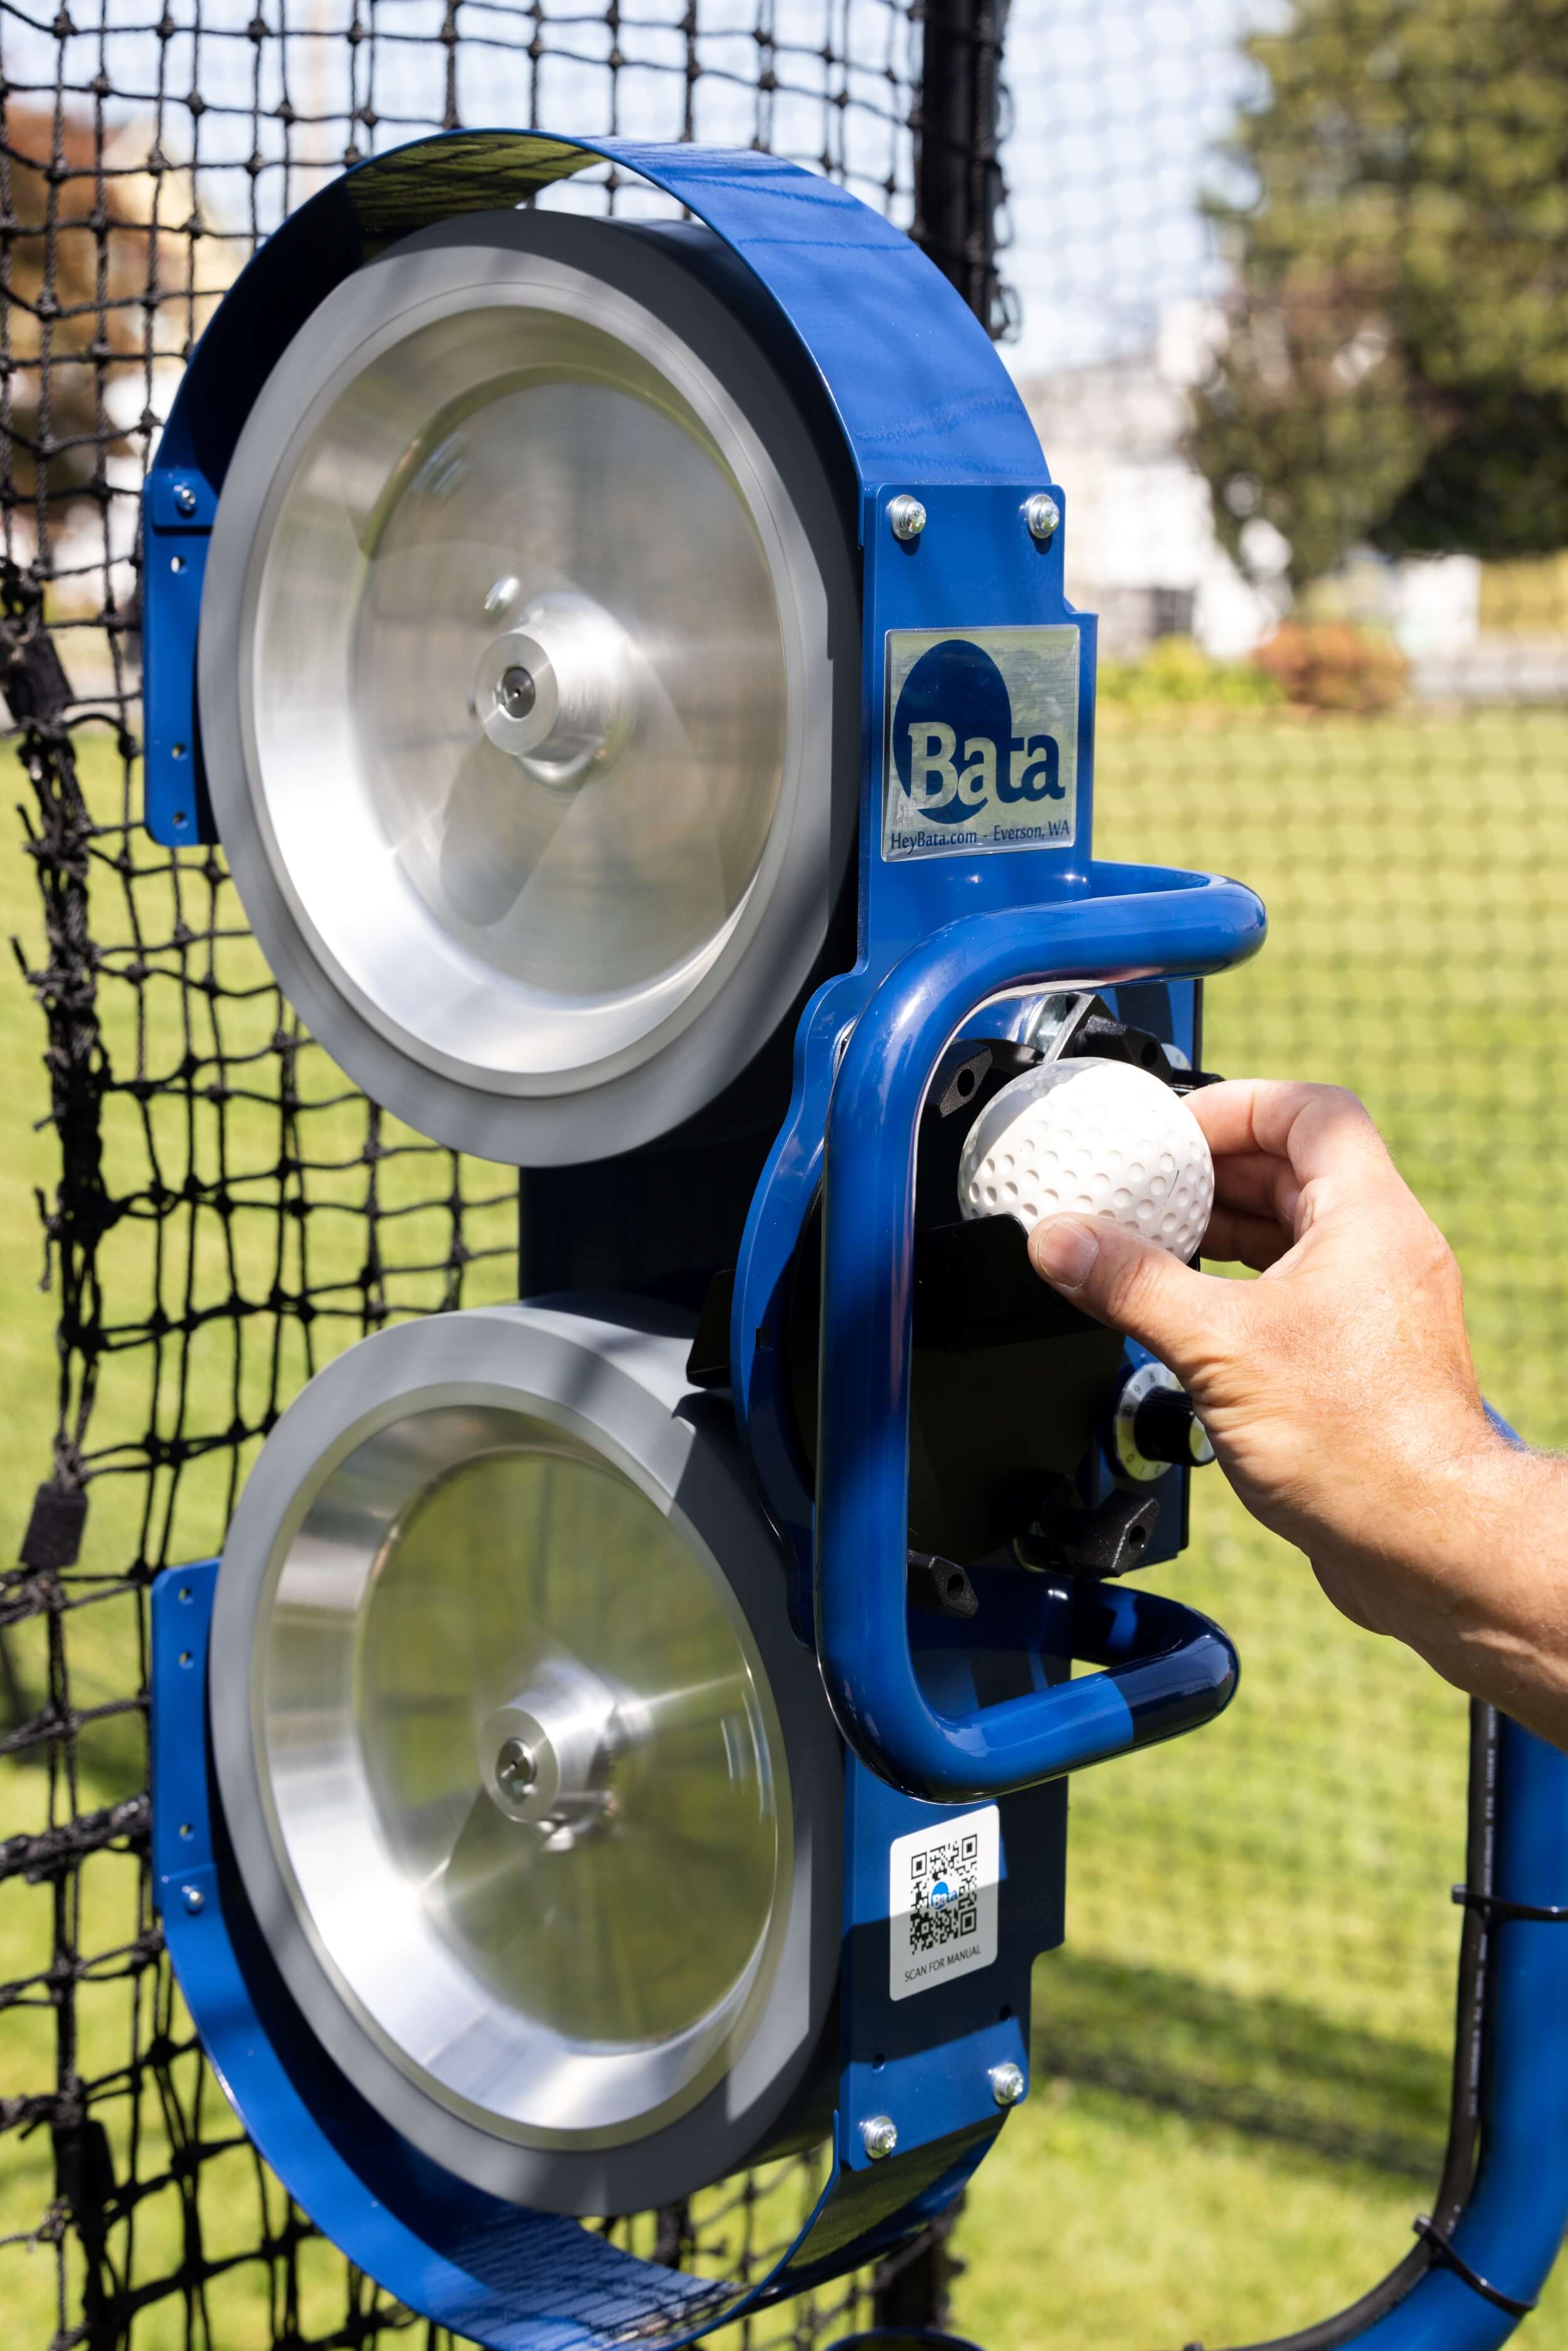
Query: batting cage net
[
  {"x": 1285, "y": 301},
  {"x": 222, "y": 1210}
]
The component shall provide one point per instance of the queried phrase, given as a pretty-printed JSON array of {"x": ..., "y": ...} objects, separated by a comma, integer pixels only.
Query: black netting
[
  {"x": 1292, "y": 332},
  {"x": 221, "y": 1209}
]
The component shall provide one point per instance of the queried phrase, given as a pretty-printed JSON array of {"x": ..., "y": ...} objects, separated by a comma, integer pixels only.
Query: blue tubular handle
[{"x": 1167, "y": 1668}]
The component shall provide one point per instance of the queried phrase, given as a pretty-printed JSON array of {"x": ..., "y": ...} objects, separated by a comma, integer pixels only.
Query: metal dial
[{"x": 1154, "y": 1427}]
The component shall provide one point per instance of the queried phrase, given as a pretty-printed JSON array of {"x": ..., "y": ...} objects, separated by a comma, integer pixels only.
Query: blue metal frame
[
  {"x": 523, "y": 2281},
  {"x": 177, "y": 511},
  {"x": 923, "y": 408}
]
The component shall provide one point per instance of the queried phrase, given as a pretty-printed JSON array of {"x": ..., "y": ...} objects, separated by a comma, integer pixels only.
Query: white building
[
  {"x": 1141, "y": 544},
  {"x": 1142, "y": 550}
]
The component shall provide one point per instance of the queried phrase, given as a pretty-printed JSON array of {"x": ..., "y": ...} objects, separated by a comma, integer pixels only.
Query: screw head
[
  {"x": 194, "y": 1900},
  {"x": 185, "y": 498},
  {"x": 906, "y": 518},
  {"x": 879, "y": 2135},
  {"x": 501, "y": 592},
  {"x": 516, "y": 1767},
  {"x": 1008, "y": 2084},
  {"x": 1044, "y": 517}
]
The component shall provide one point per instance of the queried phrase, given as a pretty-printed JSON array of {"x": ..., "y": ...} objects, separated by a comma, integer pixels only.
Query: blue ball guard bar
[{"x": 1167, "y": 1668}]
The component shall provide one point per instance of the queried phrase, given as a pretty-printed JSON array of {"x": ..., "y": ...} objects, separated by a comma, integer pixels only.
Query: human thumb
[{"x": 1115, "y": 1274}]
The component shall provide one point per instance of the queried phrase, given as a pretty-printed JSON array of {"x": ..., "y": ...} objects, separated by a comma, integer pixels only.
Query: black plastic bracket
[
  {"x": 1442, "y": 2251},
  {"x": 1108, "y": 1541},
  {"x": 941, "y": 1584},
  {"x": 1494, "y": 1905}
]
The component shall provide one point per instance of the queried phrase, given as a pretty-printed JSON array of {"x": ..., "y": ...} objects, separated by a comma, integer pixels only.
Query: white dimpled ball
[{"x": 1091, "y": 1138}]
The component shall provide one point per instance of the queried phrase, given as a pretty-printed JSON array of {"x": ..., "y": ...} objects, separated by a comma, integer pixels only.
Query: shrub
[
  {"x": 1335, "y": 665},
  {"x": 1176, "y": 669}
]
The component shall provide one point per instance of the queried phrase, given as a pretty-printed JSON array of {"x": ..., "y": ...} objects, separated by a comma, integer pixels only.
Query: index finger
[{"x": 1320, "y": 1130}]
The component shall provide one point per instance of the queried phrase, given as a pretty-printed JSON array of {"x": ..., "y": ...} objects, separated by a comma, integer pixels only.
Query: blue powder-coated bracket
[
  {"x": 177, "y": 510},
  {"x": 516, "y": 2280}
]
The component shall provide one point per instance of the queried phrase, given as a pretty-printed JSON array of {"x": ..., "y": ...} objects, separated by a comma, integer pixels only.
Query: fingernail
[{"x": 1065, "y": 1249}]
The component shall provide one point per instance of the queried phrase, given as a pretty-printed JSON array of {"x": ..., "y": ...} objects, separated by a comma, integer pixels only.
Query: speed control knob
[{"x": 1154, "y": 1428}]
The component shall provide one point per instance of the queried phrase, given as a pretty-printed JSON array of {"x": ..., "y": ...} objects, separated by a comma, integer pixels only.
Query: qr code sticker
[
  {"x": 947, "y": 1889},
  {"x": 942, "y": 1901}
]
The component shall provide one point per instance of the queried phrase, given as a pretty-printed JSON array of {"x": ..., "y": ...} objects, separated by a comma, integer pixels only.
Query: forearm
[{"x": 1475, "y": 1579}]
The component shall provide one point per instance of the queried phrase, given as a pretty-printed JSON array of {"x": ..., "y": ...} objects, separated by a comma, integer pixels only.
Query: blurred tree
[
  {"x": 1396, "y": 371},
  {"x": 80, "y": 266}
]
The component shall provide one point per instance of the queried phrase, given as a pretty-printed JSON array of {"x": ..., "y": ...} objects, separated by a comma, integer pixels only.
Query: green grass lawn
[{"x": 1241, "y": 2055}]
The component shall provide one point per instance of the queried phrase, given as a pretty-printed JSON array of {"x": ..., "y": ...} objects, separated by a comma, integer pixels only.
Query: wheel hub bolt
[{"x": 516, "y": 1767}]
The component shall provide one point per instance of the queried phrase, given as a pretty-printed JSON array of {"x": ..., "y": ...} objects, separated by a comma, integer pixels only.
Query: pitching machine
[{"x": 625, "y": 1738}]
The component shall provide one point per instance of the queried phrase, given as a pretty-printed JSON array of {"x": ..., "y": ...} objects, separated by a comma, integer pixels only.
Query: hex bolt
[
  {"x": 1044, "y": 517},
  {"x": 194, "y": 1900},
  {"x": 185, "y": 498},
  {"x": 1008, "y": 2084},
  {"x": 906, "y": 518},
  {"x": 879, "y": 2135}
]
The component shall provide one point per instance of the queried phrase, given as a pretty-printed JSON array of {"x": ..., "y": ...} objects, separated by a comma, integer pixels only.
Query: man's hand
[{"x": 1338, "y": 1389}]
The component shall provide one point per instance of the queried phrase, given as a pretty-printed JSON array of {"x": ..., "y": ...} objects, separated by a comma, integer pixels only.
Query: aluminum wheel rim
[
  {"x": 455, "y": 1040},
  {"x": 615, "y": 2129}
]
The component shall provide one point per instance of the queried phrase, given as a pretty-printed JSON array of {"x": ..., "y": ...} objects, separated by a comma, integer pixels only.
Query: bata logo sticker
[{"x": 982, "y": 749}]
